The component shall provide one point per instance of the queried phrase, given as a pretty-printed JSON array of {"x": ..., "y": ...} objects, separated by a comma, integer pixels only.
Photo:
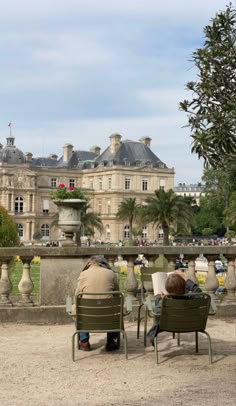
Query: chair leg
[
  {"x": 145, "y": 328},
  {"x": 156, "y": 349},
  {"x": 139, "y": 319},
  {"x": 196, "y": 340},
  {"x": 209, "y": 346},
  {"x": 73, "y": 345},
  {"x": 125, "y": 343},
  {"x": 178, "y": 339}
]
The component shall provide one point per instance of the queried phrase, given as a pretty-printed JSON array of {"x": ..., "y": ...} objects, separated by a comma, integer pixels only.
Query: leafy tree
[
  {"x": 8, "y": 230},
  {"x": 90, "y": 222},
  {"x": 212, "y": 110},
  {"x": 37, "y": 235},
  {"x": 128, "y": 210},
  {"x": 230, "y": 211},
  {"x": 167, "y": 209}
]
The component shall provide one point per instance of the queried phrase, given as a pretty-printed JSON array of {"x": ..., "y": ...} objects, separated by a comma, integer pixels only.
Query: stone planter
[{"x": 69, "y": 211}]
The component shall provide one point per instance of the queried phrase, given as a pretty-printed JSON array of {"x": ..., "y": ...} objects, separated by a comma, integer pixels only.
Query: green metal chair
[
  {"x": 146, "y": 297},
  {"x": 102, "y": 315},
  {"x": 185, "y": 314}
]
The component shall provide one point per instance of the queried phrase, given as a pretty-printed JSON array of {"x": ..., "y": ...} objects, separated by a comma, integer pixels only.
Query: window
[
  {"x": 162, "y": 184},
  {"x": 127, "y": 183},
  {"x": 145, "y": 184},
  {"x": 45, "y": 206},
  {"x": 45, "y": 230},
  {"x": 20, "y": 230},
  {"x": 90, "y": 183},
  {"x": 126, "y": 231},
  {"x": 9, "y": 201},
  {"x": 19, "y": 205},
  {"x": 99, "y": 207},
  {"x": 71, "y": 182},
  {"x": 100, "y": 183},
  {"x": 144, "y": 233},
  {"x": 109, "y": 183},
  {"x": 53, "y": 182},
  {"x": 31, "y": 203},
  {"x": 108, "y": 207},
  {"x": 108, "y": 232}
]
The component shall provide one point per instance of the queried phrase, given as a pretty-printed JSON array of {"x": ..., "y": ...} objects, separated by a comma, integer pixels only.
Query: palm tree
[
  {"x": 167, "y": 209},
  {"x": 89, "y": 222},
  {"x": 128, "y": 210}
]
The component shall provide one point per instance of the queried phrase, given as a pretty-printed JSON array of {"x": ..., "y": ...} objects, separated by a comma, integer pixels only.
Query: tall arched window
[
  {"x": 108, "y": 232},
  {"x": 45, "y": 230},
  {"x": 20, "y": 230},
  {"x": 19, "y": 205},
  {"x": 126, "y": 231},
  {"x": 145, "y": 233}
]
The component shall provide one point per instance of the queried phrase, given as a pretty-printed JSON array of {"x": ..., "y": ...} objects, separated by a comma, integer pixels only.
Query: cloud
[{"x": 78, "y": 70}]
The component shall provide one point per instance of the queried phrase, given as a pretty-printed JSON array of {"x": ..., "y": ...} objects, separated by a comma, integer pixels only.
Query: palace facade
[{"x": 124, "y": 169}]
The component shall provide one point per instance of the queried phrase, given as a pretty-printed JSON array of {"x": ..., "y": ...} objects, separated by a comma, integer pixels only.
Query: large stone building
[
  {"x": 125, "y": 169},
  {"x": 196, "y": 191}
]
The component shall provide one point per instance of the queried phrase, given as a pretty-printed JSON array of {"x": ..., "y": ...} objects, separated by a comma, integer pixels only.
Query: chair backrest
[
  {"x": 99, "y": 314},
  {"x": 185, "y": 313}
]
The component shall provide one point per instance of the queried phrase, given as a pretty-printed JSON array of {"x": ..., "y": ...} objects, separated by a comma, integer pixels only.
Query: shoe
[
  {"x": 112, "y": 346},
  {"x": 84, "y": 346}
]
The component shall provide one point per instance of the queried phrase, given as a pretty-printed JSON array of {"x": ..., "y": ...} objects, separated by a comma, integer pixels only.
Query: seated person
[
  {"x": 97, "y": 276},
  {"x": 177, "y": 283}
]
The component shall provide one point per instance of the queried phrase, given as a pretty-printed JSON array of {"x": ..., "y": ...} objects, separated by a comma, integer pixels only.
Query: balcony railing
[{"x": 60, "y": 268}]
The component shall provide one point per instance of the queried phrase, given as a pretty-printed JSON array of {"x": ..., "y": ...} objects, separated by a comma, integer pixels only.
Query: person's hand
[{"x": 182, "y": 274}]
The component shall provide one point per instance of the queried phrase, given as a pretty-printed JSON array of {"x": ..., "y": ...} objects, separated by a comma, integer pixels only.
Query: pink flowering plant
[{"x": 62, "y": 192}]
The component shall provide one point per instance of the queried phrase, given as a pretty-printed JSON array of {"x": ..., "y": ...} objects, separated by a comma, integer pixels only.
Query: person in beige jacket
[{"x": 97, "y": 276}]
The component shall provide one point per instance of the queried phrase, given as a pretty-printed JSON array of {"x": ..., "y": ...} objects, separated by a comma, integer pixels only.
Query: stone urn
[{"x": 69, "y": 211}]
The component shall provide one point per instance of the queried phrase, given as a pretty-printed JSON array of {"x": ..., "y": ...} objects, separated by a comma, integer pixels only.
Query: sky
[{"x": 76, "y": 71}]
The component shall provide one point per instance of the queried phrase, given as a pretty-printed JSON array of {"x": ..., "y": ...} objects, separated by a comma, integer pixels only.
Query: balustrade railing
[{"x": 61, "y": 266}]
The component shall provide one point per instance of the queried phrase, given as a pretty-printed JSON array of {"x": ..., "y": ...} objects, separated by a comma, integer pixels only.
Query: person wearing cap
[{"x": 98, "y": 276}]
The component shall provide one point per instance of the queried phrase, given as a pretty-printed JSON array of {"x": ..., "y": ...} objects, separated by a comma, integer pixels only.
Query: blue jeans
[{"x": 110, "y": 337}]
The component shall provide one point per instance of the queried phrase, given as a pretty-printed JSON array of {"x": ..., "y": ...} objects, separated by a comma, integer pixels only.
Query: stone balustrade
[{"x": 60, "y": 268}]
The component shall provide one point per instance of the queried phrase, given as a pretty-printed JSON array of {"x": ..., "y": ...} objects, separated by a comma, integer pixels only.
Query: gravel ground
[{"x": 36, "y": 369}]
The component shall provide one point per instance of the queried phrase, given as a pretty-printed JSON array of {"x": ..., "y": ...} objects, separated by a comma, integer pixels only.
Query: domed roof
[{"x": 10, "y": 154}]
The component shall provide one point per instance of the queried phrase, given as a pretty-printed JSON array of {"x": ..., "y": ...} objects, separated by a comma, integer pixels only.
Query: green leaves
[
  {"x": 8, "y": 230},
  {"x": 211, "y": 112}
]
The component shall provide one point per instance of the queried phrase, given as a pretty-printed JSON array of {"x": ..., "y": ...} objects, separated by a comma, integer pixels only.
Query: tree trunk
[{"x": 165, "y": 229}]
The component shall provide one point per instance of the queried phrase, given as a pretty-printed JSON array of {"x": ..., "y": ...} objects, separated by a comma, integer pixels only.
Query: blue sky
[{"x": 76, "y": 71}]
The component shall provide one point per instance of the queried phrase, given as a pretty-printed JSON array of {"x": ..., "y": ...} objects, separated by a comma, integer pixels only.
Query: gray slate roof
[
  {"x": 12, "y": 155},
  {"x": 131, "y": 153}
]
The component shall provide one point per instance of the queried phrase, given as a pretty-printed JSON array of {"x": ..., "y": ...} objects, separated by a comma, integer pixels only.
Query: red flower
[
  {"x": 61, "y": 185},
  {"x": 70, "y": 187}
]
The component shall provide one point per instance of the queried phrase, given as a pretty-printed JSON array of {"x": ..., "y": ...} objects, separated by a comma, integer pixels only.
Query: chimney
[
  {"x": 146, "y": 141},
  {"x": 28, "y": 156},
  {"x": 53, "y": 156},
  {"x": 67, "y": 152},
  {"x": 96, "y": 150},
  {"x": 115, "y": 142}
]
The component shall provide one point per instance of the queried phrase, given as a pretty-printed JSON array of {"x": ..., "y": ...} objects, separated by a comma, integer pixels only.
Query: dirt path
[{"x": 36, "y": 369}]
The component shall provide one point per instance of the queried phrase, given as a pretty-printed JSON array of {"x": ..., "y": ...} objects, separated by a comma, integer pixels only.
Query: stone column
[
  {"x": 131, "y": 283},
  {"x": 171, "y": 262},
  {"x": 230, "y": 280},
  {"x": 191, "y": 267},
  {"x": 25, "y": 285},
  {"x": 5, "y": 285},
  {"x": 211, "y": 283}
]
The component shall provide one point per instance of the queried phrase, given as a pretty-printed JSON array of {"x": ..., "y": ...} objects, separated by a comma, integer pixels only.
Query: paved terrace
[{"x": 37, "y": 369}]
